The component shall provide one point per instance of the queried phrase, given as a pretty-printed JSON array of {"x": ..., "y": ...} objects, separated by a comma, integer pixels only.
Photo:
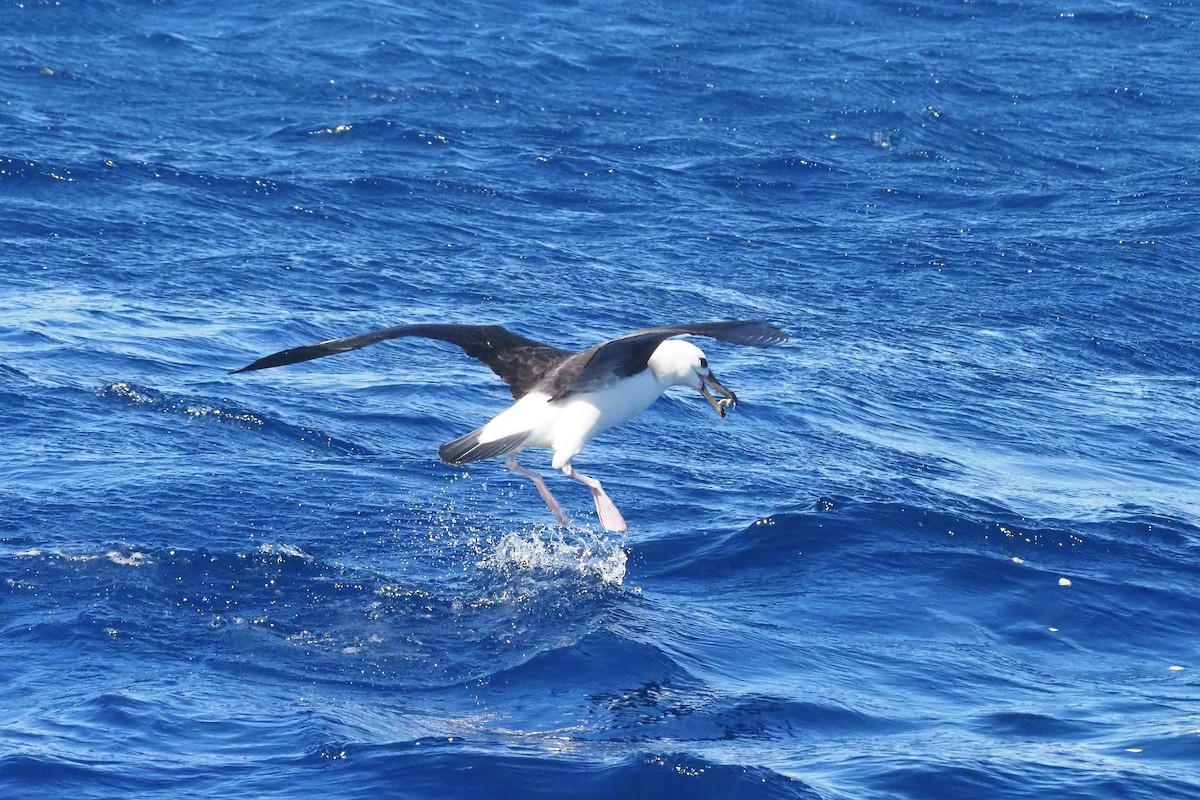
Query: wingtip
[
  {"x": 764, "y": 334},
  {"x": 773, "y": 335},
  {"x": 248, "y": 368}
]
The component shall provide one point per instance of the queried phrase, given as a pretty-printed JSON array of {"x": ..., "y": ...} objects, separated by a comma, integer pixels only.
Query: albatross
[{"x": 562, "y": 399}]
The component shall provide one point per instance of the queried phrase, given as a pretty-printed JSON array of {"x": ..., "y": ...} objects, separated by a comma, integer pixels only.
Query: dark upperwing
[
  {"x": 627, "y": 355},
  {"x": 519, "y": 361}
]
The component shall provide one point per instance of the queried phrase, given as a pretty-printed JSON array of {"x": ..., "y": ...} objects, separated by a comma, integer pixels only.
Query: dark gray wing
[
  {"x": 519, "y": 361},
  {"x": 627, "y": 355}
]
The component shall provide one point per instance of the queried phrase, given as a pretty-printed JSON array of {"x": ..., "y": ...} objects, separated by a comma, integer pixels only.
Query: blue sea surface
[{"x": 947, "y": 545}]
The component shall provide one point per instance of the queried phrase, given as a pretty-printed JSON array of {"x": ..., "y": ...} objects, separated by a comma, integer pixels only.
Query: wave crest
[{"x": 223, "y": 411}]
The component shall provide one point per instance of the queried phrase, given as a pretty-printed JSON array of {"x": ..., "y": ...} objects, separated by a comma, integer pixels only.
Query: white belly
[
  {"x": 564, "y": 426},
  {"x": 585, "y": 415}
]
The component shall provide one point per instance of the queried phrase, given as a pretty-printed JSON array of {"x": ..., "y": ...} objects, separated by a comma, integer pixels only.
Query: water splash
[{"x": 559, "y": 550}]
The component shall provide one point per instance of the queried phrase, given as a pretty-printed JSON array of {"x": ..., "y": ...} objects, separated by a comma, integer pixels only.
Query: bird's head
[{"x": 680, "y": 363}]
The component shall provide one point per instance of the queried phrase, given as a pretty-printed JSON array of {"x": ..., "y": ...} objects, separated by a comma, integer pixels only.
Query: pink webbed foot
[{"x": 610, "y": 517}]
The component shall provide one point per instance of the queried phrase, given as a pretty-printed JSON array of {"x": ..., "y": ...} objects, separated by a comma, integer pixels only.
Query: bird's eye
[{"x": 703, "y": 363}]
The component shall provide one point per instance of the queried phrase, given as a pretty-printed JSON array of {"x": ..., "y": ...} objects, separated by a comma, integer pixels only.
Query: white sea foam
[
  {"x": 282, "y": 552},
  {"x": 130, "y": 559}
]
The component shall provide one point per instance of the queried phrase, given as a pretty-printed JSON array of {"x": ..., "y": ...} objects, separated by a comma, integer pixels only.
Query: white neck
[{"x": 674, "y": 363}]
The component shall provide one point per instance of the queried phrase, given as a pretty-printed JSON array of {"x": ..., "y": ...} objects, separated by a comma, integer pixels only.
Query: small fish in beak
[{"x": 728, "y": 399}]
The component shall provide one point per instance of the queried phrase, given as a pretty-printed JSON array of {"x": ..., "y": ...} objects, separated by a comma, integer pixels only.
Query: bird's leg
[
  {"x": 511, "y": 463},
  {"x": 610, "y": 518}
]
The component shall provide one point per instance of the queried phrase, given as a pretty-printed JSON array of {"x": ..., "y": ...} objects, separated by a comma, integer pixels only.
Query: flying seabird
[{"x": 563, "y": 398}]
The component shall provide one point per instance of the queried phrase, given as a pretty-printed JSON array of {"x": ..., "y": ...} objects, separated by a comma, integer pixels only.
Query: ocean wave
[
  {"x": 278, "y": 596},
  {"x": 876, "y": 530},
  {"x": 224, "y": 412},
  {"x": 482, "y": 771}
]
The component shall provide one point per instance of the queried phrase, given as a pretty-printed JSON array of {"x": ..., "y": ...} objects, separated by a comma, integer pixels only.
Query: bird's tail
[{"x": 468, "y": 448}]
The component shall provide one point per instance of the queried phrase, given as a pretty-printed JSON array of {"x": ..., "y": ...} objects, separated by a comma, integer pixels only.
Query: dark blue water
[{"x": 948, "y": 545}]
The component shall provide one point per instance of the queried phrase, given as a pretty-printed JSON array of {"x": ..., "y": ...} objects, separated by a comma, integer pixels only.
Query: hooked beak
[{"x": 728, "y": 399}]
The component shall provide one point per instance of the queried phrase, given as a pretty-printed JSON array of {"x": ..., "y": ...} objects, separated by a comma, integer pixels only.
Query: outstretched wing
[
  {"x": 628, "y": 355},
  {"x": 519, "y": 361}
]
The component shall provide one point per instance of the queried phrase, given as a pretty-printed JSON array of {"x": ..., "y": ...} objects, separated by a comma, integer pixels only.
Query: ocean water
[{"x": 947, "y": 546}]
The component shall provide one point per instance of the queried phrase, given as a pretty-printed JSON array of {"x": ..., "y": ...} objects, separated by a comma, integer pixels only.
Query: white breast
[
  {"x": 584, "y": 415},
  {"x": 564, "y": 426}
]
